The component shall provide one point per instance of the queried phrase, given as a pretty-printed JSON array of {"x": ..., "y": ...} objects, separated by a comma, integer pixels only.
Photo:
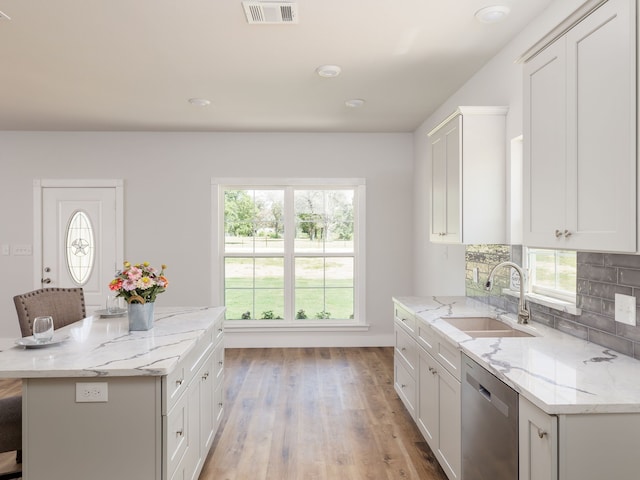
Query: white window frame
[
  {"x": 539, "y": 291},
  {"x": 358, "y": 323}
]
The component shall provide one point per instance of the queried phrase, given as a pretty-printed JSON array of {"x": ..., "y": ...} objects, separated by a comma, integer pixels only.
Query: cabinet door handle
[
  {"x": 179, "y": 433},
  {"x": 567, "y": 234},
  {"x": 178, "y": 383},
  {"x": 558, "y": 233},
  {"x": 205, "y": 375},
  {"x": 541, "y": 433},
  {"x": 220, "y": 363}
]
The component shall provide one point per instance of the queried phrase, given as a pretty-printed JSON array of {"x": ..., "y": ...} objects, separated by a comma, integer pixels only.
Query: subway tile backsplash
[{"x": 599, "y": 277}]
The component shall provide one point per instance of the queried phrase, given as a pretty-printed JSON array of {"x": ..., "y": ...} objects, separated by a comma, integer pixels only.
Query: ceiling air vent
[{"x": 271, "y": 12}]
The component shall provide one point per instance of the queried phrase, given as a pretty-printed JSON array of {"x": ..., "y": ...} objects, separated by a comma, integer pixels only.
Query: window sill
[
  {"x": 550, "y": 302},
  {"x": 261, "y": 326}
]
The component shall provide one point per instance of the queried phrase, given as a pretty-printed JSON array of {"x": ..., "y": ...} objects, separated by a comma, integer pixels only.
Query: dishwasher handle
[
  {"x": 484, "y": 392},
  {"x": 494, "y": 399}
]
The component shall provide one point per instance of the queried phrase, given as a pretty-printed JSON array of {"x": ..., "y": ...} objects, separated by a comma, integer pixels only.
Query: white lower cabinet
[
  {"x": 427, "y": 380},
  {"x": 438, "y": 414},
  {"x": 538, "y": 442},
  {"x": 591, "y": 446},
  {"x": 405, "y": 365}
]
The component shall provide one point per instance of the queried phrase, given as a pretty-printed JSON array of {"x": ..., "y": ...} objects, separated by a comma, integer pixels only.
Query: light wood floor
[
  {"x": 313, "y": 413},
  {"x": 317, "y": 413}
]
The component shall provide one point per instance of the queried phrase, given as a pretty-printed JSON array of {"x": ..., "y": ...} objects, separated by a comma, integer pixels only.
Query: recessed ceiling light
[
  {"x": 492, "y": 14},
  {"x": 354, "y": 103},
  {"x": 328, "y": 71},
  {"x": 199, "y": 102}
]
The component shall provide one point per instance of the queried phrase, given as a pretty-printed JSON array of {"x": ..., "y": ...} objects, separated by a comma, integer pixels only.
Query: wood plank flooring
[
  {"x": 310, "y": 414},
  {"x": 316, "y": 413}
]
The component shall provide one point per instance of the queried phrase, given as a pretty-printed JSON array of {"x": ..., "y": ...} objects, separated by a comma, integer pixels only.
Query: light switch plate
[{"x": 625, "y": 309}]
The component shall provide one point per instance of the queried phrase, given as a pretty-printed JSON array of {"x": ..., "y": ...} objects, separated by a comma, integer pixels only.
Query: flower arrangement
[{"x": 140, "y": 281}]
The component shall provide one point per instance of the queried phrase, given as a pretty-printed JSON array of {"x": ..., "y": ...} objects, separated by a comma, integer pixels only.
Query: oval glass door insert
[{"x": 80, "y": 247}]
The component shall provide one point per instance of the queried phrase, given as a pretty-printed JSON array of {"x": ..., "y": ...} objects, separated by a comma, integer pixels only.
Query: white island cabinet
[
  {"x": 580, "y": 132},
  {"x": 107, "y": 403}
]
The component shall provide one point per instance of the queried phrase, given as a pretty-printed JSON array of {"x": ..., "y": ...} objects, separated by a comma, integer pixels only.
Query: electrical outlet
[
  {"x": 22, "y": 250},
  {"x": 476, "y": 275},
  {"x": 92, "y": 392},
  {"x": 625, "y": 309}
]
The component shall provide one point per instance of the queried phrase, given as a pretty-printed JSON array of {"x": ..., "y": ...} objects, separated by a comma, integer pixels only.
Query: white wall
[
  {"x": 440, "y": 269},
  {"x": 168, "y": 175}
]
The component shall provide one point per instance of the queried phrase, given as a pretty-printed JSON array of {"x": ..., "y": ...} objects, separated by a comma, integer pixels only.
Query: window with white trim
[
  {"x": 290, "y": 251},
  {"x": 553, "y": 273}
]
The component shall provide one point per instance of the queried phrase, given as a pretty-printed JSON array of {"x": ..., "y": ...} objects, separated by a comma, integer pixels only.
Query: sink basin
[
  {"x": 488, "y": 327},
  {"x": 511, "y": 332},
  {"x": 476, "y": 323}
]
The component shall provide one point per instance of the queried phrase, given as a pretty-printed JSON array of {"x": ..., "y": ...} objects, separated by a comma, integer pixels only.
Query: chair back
[{"x": 65, "y": 305}]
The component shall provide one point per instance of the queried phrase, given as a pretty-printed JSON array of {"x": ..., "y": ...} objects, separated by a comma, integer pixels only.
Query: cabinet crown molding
[
  {"x": 579, "y": 14},
  {"x": 471, "y": 110}
]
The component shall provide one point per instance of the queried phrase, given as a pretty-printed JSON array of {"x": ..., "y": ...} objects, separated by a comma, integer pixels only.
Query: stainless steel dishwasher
[{"x": 489, "y": 425}]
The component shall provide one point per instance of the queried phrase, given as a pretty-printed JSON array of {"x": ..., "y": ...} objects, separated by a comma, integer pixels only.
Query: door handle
[{"x": 45, "y": 280}]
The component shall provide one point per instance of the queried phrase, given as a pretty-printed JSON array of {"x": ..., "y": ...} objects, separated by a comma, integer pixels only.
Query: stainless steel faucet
[{"x": 523, "y": 313}]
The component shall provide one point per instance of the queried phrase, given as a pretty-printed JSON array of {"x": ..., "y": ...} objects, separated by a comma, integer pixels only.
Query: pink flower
[
  {"x": 134, "y": 273},
  {"x": 129, "y": 285}
]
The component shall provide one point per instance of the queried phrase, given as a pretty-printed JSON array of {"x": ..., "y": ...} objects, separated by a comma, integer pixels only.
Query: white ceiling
[{"x": 133, "y": 64}]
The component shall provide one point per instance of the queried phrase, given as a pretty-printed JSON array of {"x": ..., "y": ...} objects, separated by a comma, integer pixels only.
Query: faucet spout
[{"x": 523, "y": 312}]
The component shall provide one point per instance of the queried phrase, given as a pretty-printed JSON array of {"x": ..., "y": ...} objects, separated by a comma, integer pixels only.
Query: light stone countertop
[
  {"x": 559, "y": 373},
  {"x": 103, "y": 347}
]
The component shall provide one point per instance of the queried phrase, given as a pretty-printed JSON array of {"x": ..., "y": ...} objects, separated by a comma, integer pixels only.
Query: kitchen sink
[{"x": 488, "y": 327}]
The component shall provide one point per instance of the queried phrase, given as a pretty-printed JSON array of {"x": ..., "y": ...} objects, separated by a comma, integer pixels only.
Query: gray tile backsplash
[{"x": 600, "y": 276}]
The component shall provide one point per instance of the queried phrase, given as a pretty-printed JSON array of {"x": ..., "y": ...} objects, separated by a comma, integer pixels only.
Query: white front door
[{"x": 80, "y": 239}]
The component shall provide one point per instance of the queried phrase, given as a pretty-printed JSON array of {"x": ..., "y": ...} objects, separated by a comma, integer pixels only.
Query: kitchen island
[{"x": 106, "y": 403}]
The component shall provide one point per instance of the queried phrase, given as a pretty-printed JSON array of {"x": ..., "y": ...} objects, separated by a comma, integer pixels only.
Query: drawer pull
[
  {"x": 403, "y": 320},
  {"x": 541, "y": 433},
  {"x": 403, "y": 385},
  {"x": 558, "y": 233},
  {"x": 403, "y": 349},
  {"x": 567, "y": 234}
]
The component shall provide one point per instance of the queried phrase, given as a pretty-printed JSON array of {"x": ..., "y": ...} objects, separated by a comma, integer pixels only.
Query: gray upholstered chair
[
  {"x": 65, "y": 305},
  {"x": 11, "y": 430}
]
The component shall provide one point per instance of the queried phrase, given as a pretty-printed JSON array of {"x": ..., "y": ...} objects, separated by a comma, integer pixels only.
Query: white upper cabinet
[
  {"x": 468, "y": 177},
  {"x": 580, "y": 134}
]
